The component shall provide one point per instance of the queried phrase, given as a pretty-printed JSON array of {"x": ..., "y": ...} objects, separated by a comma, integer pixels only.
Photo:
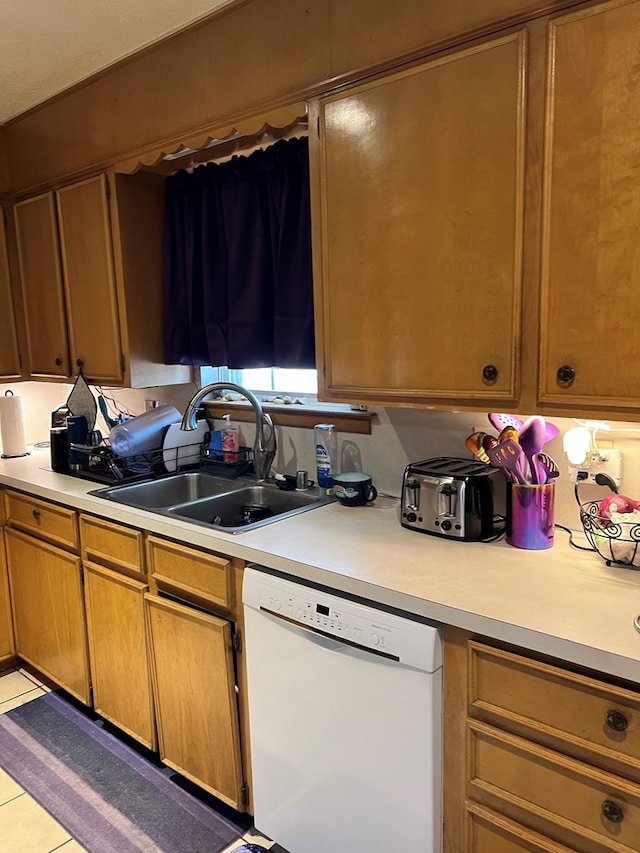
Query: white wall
[{"x": 399, "y": 436}]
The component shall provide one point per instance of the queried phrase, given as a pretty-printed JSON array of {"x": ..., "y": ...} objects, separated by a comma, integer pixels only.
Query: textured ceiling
[{"x": 48, "y": 45}]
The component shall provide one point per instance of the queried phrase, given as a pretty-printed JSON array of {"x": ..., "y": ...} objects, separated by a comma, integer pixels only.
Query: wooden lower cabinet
[
  {"x": 118, "y": 651},
  {"x": 195, "y": 694},
  {"x": 550, "y": 755},
  {"x": 48, "y": 611},
  {"x": 7, "y": 645}
]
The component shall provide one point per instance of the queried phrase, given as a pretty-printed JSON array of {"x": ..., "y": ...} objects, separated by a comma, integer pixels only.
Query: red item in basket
[{"x": 616, "y": 503}]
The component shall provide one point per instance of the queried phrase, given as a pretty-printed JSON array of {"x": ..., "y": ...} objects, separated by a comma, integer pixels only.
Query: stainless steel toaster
[{"x": 455, "y": 498}]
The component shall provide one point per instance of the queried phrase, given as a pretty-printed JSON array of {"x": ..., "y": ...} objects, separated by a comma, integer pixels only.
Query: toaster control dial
[
  {"x": 411, "y": 517},
  {"x": 446, "y": 525}
]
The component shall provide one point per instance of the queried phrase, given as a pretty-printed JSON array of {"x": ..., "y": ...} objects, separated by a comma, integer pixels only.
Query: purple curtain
[{"x": 238, "y": 288}]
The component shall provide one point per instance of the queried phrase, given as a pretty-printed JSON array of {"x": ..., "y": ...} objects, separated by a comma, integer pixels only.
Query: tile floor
[{"x": 25, "y": 827}]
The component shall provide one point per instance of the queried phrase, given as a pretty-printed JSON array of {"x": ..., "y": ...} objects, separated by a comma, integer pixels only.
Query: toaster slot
[
  {"x": 412, "y": 494},
  {"x": 447, "y": 500}
]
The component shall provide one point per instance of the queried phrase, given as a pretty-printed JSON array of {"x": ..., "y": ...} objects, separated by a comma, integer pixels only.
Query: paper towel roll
[{"x": 14, "y": 441}]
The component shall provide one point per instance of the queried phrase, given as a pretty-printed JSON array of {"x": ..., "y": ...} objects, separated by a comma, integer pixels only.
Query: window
[
  {"x": 266, "y": 380},
  {"x": 300, "y": 386}
]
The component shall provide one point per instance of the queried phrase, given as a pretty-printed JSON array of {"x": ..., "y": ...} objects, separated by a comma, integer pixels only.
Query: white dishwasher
[{"x": 345, "y": 711}]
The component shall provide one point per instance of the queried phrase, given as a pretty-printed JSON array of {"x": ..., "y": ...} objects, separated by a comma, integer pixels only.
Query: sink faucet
[{"x": 264, "y": 447}]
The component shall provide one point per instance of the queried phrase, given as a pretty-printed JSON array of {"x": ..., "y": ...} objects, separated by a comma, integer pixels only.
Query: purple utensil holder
[{"x": 530, "y": 516}]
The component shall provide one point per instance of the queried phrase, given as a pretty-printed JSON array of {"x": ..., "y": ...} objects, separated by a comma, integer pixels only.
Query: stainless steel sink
[
  {"x": 230, "y": 505},
  {"x": 169, "y": 491},
  {"x": 249, "y": 507}
]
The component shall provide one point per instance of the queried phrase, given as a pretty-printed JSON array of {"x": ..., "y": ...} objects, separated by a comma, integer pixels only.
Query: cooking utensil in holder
[{"x": 615, "y": 541}]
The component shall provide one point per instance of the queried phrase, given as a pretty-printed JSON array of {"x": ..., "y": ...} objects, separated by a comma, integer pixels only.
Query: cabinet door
[
  {"x": 7, "y": 646},
  {"x": 194, "y": 691},
  {"x": 87, "y": 259},
  {"x": 418, "y": 210},
  {"x": 10, "y": 367},
  {"x": 42, "y": 291},
  {"x": 118, "y": 651},
  {"x": 48, "y": 611},
  {"x": 591, "y": 251}
]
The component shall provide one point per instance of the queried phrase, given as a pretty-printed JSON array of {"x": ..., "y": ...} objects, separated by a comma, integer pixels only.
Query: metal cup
[{"x": 530, "y": 516}]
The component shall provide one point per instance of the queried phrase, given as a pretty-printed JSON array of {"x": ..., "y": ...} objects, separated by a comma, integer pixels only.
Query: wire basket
[
  {"x": 103, "y": 466},
  {"x": 616, "y": 541},
  {"x": 226, "y": 463}
]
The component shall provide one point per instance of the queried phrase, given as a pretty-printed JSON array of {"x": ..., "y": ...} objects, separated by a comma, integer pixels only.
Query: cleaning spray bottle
[{"x": 326, "y": 442}]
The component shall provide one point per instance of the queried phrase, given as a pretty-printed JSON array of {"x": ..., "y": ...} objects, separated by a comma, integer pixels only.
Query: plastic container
[
  {"x": 59, "y": 448},
  {"x": 326, "y": 441},
  {"x": 144, "y": 432}
]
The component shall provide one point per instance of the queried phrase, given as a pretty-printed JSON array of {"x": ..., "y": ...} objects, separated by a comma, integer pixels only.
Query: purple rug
[{"x": 109, "y": 798}]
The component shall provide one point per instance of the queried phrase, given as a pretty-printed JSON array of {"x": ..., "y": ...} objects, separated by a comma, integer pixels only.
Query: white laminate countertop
[{"x": 561, "y": 602}]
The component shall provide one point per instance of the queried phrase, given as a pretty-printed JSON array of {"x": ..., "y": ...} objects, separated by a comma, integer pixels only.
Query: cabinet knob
[
  {"x": 58, "y": 361},
  {"x": 79, "y": 363},
  {"x": 489, "y": 374},
  {"x": 612, "y": 812},
  {"x": 616, "y": 720},
  {"x": 36, "y": 514},
  {"x": 565, "y": 376}
]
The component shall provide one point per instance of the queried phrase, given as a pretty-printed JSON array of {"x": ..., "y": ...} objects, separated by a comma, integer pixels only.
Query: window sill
[{"x": 293, "y": 415}]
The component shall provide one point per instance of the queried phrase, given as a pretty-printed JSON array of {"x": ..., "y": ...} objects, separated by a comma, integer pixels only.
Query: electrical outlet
[{"x": 605, "y": 462}]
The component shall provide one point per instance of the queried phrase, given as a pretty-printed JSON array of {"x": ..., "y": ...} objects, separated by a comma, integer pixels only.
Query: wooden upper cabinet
[
  {"x": 91, "y": 267},
  {"x": 591, "y": 251},
  {"x": 10, "y": 367},
  {"x": 42, "y": 290},
  {"x": 417, "y": 204},
  {"x": 87, "y": 260}
]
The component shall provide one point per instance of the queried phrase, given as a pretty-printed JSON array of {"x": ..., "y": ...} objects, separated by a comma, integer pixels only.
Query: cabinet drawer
[
  {"x": 45, "y": 520},
  {"x": 205, "y": 576},
  {"x": 489, "y": 832},
  {"x": 567, "y": 710},
  {"x": 111, "y": 544},
  {"x": 581, "y": 806}
]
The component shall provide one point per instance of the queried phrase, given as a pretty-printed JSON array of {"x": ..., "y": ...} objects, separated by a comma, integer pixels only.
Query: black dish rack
[
  {"x": 616, "y": 542},
  {"x": 101, "y": 465}
]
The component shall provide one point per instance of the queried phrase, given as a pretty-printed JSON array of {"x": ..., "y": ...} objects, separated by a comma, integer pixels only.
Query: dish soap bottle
[
  {"x": 230, "y": 441},
  {"x": 326, "y": 454}
]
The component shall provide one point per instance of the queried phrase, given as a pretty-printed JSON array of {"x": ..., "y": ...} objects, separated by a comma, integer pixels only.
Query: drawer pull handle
[
  {"x": 36, "y": 514},
  {"x": 489, "y": 374},
  {"x": 565, "y": 376},
  {"x": 612, "y": 811},
  {"x": 617, "y": 721}
]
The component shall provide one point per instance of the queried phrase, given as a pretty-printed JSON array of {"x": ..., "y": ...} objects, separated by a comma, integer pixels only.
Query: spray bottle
[{"x": 326, "y": 443}]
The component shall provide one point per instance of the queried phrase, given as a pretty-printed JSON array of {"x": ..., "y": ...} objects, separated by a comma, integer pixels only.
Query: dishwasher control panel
[
  {"x": 358, "y": 624},
  {"x": 339, "y": 622}
]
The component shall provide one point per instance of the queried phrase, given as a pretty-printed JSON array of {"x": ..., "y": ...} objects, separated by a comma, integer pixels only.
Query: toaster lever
[{"x": 412, "y": 494}]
